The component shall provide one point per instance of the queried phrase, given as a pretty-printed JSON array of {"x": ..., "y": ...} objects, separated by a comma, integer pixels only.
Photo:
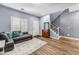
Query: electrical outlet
[{"x": 68, "y": 34}]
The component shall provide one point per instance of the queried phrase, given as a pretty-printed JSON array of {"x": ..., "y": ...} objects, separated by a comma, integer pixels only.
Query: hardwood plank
[{"x": 58, "y": 47}]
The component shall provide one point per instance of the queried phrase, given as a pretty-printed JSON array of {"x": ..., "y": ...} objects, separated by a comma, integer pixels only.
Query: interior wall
[
  {"x": 53, "y": 16},
  {"x": 31, "y": 28},
  {"x": 42, "y": 21},
  {"x": 5, "y": 17},
  {"x": 69, "y": 22}
]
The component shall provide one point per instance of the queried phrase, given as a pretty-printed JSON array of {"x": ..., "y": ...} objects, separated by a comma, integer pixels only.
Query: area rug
[{"x": 27, "y": 47}]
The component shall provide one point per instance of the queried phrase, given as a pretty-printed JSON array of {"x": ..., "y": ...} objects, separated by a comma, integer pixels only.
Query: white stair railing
[{"x": 54, "y": 31}]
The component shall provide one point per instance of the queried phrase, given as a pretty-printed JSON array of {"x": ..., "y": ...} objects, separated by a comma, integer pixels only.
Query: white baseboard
[
  {"x": 55, "y": 38},
  {"x": 70, "y": 38}
]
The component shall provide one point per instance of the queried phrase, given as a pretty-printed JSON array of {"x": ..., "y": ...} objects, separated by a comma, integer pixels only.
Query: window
[
  {"x": 24, "y": 25},
  {"x": 18, "y": 24}
]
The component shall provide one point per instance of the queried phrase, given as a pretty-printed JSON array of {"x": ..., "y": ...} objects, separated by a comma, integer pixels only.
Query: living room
[{"x": 39, "y": 29}]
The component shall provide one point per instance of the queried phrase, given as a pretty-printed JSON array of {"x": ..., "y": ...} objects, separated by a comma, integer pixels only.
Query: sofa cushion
[
  {"x": 25, "y": 32},
  {"x": 5, "y": 37},
  {"x": 22, "y": 38},
  {"x": 10, "y": 34},
  {"x": 16, "y": 33}
]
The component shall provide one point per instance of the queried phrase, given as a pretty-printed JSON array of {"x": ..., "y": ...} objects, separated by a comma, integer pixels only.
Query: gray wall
[
  {"x": 42, "y": 21},
  {"x": 69, "y": 24},
  {"x": 54, "y": 15},
  {"x": 5, "y": 17}
]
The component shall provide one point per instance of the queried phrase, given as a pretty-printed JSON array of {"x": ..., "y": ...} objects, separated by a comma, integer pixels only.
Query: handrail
[
  {"x": 55, "y": 28},
  {"x": 62, "y": 13},
  {"x": 54, "y": 24},
  {"x": 59, "y": 16}
]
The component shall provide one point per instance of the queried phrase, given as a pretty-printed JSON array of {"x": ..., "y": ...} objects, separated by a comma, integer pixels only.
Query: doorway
[{"x": 35, "y": 28}]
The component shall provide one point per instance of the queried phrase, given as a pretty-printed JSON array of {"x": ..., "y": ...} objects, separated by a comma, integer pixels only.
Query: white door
[{"x": 35, "y": 27}]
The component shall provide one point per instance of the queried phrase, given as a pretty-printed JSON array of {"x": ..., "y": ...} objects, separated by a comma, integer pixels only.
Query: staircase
[
  {"x": 55, "y": 30},
  {"x": 60, "y": 14}
]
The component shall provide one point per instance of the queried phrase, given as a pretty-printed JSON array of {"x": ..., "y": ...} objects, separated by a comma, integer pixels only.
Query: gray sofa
[
  {"x": 20, "y": 38},
  {"x": 9, "y": 45}
]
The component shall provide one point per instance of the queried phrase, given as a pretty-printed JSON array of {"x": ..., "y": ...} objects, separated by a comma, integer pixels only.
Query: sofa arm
[{"x": 9, "y": 46}]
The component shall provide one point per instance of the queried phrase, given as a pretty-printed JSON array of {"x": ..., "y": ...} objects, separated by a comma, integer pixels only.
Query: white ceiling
[{"x": 39, "y": 9}]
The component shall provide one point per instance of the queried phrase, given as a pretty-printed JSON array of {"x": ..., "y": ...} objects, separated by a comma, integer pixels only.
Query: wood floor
[{"x": 58, "y": 47}]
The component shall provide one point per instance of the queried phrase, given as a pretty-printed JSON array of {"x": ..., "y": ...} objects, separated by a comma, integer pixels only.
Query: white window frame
[{"x": 19, "y": 25}]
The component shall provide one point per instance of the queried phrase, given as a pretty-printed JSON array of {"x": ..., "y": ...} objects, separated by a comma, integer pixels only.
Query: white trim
[
  {"x": 55, "y": 38},
  {"x": 70, "y": 38}
]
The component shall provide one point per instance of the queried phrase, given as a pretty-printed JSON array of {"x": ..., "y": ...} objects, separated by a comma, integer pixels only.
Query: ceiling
[{"x": 39, "y": 9}]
